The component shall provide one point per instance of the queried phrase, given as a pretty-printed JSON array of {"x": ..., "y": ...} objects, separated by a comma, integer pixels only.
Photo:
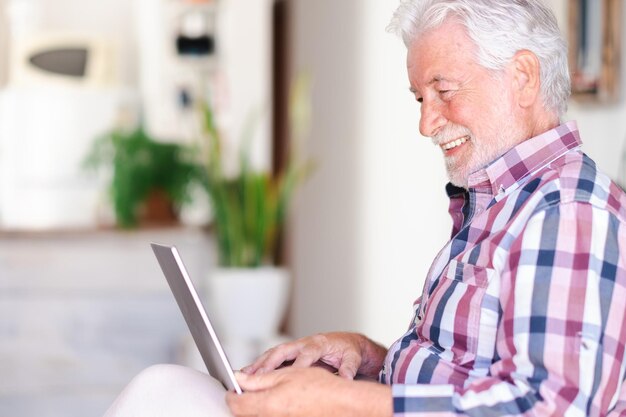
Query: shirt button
[{"x": 501, "y": 189}]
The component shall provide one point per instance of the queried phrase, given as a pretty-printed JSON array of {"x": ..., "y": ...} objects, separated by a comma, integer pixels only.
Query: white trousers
[{"x": 171, "y": 390}]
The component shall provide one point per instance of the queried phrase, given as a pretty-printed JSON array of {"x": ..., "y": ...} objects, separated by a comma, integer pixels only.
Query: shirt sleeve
[{"x": 561, "y": 337}]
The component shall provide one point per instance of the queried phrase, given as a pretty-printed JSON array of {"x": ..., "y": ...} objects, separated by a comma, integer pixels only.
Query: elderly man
[{"x": 522, "y": 311}]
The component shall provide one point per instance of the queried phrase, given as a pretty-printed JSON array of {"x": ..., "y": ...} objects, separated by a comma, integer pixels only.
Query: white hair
[{"x": 499, "y": 28}]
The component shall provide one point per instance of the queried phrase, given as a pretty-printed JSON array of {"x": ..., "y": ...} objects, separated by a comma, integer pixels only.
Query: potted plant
[
  {"x": 248, "y": 292},
  {"x": 150, "y": 180},
  {"x": 249, "y": 208}
]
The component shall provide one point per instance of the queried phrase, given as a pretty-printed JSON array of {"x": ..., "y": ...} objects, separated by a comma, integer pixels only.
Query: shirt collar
[{"x": 526, "y": 158}]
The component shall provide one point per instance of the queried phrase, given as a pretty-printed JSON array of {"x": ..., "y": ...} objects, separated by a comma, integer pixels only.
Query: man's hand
[
  {"x": 310, "y": 392},
  {"x": 349, "y": 353}
]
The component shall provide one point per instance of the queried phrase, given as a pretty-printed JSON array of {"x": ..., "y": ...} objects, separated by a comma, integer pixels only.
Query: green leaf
[{"x": 249, "y": 209}]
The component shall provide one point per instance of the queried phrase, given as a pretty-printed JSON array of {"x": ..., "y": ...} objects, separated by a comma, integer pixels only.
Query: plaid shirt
[{"x": 524, "y": 310}]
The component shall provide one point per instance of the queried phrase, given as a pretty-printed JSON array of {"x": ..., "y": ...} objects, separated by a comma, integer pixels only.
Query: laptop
[{"x": 195, "y": 315}]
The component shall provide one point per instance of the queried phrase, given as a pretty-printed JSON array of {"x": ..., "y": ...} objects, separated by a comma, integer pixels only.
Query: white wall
[
  {"x": 327, "y": 217},
  {"x": 372, "y": 217},
  {"x": 405, "y": 220},
  {"x": 4, "y": 53},
  {"x": 245, "y": 60}
]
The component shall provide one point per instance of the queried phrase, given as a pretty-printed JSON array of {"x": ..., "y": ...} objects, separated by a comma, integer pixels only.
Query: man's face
[{"x": 467, "y": 110}]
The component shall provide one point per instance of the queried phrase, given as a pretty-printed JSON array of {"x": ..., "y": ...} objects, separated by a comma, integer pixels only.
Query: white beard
[{"x": 477, "y": 153}]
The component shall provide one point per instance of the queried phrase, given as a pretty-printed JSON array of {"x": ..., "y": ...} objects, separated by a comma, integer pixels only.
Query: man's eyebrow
[{"x": 435, "y": 79}]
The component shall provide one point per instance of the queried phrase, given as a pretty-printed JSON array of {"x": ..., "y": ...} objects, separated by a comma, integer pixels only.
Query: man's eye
[{"x": 445, "y": 93}]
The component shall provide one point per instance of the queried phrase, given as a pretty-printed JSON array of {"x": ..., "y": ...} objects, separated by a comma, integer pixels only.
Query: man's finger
[
  {"x": 305, "y": 360},
  {"x": 273, "y": 358},
  {"x": 257, "y": 382},
  {"x": 349, "y": 365},
  {"x": 347, "y": 372}
]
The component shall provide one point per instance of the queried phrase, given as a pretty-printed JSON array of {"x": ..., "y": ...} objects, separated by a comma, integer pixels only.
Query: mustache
[{"x": 450, "y": 132}]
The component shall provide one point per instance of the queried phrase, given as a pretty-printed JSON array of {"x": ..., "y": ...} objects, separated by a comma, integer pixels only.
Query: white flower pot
[{"x": 247, "y": 304}]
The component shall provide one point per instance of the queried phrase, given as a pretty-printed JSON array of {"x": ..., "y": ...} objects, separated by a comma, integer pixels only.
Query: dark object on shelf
[{"x": 201, "y": 45}]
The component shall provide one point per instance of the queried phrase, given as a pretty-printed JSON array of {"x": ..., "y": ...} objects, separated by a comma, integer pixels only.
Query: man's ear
[{"x": 527, "y": 77}]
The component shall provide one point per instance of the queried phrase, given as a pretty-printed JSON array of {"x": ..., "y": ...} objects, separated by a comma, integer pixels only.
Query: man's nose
[{"x": 432, "y": 118}]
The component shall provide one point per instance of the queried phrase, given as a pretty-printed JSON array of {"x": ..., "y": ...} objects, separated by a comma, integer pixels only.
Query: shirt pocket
[{"x": 454, "y": 316}]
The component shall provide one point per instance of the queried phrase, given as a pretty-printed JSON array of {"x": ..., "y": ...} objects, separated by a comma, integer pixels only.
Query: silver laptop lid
[{"x": 195, "y": 315}]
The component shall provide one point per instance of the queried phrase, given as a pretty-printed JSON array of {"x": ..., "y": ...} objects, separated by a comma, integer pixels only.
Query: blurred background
[{"x": 83, "y": 305}]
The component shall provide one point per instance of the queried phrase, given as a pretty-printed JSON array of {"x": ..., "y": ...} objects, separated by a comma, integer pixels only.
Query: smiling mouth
[{"x": 454, "y": 143}]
